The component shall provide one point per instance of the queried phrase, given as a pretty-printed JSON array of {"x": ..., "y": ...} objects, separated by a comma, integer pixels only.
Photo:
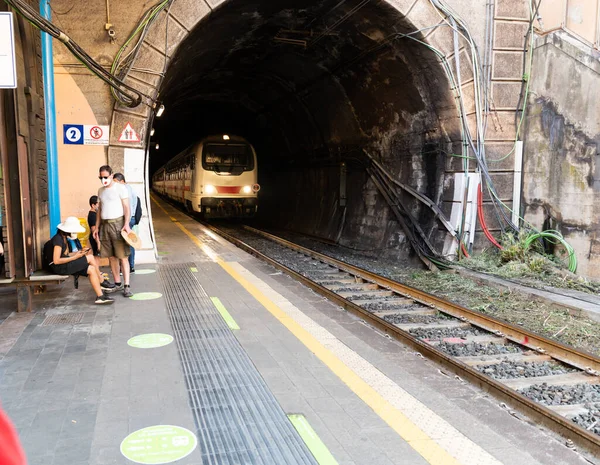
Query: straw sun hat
[
  {"x": 71, "y": 225},
  {"x": 132, "y": 239}
]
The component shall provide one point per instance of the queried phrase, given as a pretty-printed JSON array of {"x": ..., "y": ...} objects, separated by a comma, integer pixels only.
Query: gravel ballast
[
  {"x": 589, "y": 420},
  {"x": 518, "y": 369},
  {"x": 402, "y": 318},
  {"x": 471, "y": 349},
  {"x": 436, "y": 334},
  {"x": 563, "y": 395}
]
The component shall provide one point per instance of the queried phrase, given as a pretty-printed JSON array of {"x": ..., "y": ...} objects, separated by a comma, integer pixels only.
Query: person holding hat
[
  {"x": 113, "y": 218},
  {"x": 59, "y": 260}
]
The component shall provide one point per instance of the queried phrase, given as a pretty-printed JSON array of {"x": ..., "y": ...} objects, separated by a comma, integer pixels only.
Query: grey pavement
[{"x": 75, "y": 391}]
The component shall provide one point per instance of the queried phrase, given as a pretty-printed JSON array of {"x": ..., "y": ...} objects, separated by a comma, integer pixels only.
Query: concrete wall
[
  {"x": 561, "y": 185},
  {"x": 77, "y": 164}
]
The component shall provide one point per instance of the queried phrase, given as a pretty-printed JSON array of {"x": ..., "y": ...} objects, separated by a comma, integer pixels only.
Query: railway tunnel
[{"x": 315, "y": 87}]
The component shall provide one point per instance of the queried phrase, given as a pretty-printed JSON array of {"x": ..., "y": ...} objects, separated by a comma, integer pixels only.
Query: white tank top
[{"x": 110, "y": 199}]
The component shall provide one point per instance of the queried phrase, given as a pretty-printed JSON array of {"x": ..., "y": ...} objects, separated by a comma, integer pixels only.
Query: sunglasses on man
[{"x": 103, "y": 177}]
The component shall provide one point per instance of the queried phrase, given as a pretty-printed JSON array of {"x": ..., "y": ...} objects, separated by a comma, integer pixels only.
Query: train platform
[{"x": 221, "y": 359}]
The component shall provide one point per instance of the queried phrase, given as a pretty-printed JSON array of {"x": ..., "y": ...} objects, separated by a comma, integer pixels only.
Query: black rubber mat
[{"x": 238, "y": 419}]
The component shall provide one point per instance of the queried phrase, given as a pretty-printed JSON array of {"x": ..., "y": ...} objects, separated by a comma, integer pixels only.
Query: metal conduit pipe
[{"x": 50, "y": 109}]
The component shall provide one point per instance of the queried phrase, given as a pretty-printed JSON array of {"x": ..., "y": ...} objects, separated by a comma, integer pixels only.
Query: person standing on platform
[
  {"x": 91, "y": 219},
  {"x": 113, "y": 210},
  {"x": 134, "y": 202}
]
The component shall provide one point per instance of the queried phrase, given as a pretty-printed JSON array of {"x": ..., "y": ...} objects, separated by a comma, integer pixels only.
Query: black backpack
[
  {"x": 138, "y": 212},
  {"x": 47, "y": 255}
]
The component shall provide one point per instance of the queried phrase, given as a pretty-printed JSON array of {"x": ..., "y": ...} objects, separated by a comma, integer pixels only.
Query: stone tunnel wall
[
  {"x": 561, "y": 188},
  {"x": 401, "y": 140}
]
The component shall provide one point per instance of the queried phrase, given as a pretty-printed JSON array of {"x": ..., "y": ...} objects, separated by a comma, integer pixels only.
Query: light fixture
[
  {"x": 209, "y": 189},
  {"x": 225, "y": 137},
  {"x": 151, "y": 132},
  {"x": 156, "y": 147},
  {"x": 160, "y": 111},
  {"x": 246, "y": 189}
]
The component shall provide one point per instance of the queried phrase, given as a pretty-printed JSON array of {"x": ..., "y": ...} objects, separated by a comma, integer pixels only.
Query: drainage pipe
[{"x": 49, "y": 104}]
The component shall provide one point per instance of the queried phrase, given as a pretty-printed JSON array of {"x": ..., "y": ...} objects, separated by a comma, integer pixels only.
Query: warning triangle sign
[{"x": 129, "y": 135}]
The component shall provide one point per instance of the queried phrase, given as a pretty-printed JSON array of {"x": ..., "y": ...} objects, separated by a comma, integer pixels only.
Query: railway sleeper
[
  {"x": 358, "y": 286},
  {"x": 328, "y": 271},
  {"x": 474, "y": 360},
  {"x": 344, "y": 280},
  {"x": 366, "y": 295},
  {"x": 569, "y": 411},
  {"x": 424, "y": 311},
  {"x": 482, "y": 339},
  {"x": 450, "y": 325},
  {"x": 567, "y": 379}
]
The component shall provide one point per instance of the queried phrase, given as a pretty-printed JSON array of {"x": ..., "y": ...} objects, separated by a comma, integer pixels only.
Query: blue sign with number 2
[{"x": 73, "y": 133}]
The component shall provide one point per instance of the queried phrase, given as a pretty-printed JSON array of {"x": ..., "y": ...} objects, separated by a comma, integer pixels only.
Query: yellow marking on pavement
[
  {"x": 206, "y": 249},
  {"x": 411, "y": 433},
  {"x": 224, "y": 313}
]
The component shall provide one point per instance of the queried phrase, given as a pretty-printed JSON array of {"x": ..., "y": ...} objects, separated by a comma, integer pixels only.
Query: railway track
[{"x": 515, "y": 365}]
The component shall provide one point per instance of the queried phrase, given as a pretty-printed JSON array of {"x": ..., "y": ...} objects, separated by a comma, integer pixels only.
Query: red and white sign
[
  {"x": 94, "y": 134},
  {"x": 129, "y": 135}
]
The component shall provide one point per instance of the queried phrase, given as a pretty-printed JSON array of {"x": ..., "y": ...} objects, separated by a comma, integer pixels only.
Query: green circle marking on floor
[
  {"x": 158, "y": 444},
  {"x": 146, "y": 296},
  {"x": 150, "y": 341},
  {"x": 146, "y": 271}
]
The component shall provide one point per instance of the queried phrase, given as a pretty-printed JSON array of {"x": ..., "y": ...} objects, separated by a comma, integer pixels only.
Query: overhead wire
[
  {"x": 123, "y": 63},
  {"x": 134, "y": 96}
]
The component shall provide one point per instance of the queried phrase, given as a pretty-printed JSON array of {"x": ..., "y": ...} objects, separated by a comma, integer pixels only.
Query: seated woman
[{"x": 61, "y": 261}]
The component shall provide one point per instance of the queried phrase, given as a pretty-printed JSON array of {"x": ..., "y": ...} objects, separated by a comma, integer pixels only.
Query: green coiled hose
[{"x": 555, "y": 236}]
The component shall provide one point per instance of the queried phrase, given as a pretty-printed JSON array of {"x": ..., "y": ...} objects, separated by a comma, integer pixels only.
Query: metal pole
[{"x": 51, "y": 144}]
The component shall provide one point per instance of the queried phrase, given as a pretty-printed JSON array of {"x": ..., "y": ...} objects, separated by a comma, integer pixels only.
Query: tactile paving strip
[{"x": 238, "y": 419}]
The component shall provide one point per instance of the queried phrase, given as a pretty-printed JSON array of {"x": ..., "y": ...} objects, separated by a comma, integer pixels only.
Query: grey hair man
[{"x": 133, "y": 203}]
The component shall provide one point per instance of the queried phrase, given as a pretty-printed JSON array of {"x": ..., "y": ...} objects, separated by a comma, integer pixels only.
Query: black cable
[
  {"x": 44, "y": 25},
  {"x": 525, "y": 47}
]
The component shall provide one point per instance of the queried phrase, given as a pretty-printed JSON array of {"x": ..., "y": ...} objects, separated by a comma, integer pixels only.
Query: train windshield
[{"x": 230, "y": 158}]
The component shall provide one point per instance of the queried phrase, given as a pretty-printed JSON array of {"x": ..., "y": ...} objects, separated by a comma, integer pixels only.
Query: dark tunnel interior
[{"x": 313, "y": 85}]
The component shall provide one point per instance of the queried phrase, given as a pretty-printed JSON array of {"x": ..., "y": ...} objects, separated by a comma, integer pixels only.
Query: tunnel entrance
[{"x": 318, "y": 88}]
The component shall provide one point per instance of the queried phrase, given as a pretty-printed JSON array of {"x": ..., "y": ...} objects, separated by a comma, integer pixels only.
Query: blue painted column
[{"x": 49, "y": 103}]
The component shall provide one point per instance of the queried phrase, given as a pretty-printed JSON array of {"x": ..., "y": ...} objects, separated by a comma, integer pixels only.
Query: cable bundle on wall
[
  {"x": 123, "y": 64},
  {"x": 134, "y": 96}
]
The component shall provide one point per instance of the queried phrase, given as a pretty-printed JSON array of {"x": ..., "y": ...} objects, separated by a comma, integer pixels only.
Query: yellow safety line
[{"x": 411, "y": 433}]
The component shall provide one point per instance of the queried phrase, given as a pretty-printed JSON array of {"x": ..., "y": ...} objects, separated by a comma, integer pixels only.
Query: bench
[{"x": 24, "y": 285}]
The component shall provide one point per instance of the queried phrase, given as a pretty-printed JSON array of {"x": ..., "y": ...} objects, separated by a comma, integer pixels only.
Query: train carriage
[{"x": 216, "y": 177}]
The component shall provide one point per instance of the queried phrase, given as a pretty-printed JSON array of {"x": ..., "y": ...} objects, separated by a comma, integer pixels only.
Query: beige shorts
[{"x": 112, "y": 243}]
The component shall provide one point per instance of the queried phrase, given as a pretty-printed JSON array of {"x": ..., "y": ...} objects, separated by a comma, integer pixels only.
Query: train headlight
[
  {"x": 208, "y": 189},
  {"x": 247, "y": 189}
]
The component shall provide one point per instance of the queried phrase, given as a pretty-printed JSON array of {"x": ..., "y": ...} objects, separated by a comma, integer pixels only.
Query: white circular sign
[{"x": 73, "y": 134}]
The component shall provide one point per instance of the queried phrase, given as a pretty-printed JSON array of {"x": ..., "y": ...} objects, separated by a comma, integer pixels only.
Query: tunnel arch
[{"x": 398, "y": 104}]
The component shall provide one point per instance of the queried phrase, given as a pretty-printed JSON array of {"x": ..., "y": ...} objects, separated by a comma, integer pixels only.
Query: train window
[{"x": 230, "y": 158}]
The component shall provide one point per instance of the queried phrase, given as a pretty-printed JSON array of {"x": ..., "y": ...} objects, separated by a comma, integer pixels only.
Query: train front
[{"x": 228, "y": 177}]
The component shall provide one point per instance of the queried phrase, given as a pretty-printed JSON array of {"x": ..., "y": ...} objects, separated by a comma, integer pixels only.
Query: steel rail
[
  {"x": 543, "y": 415},
  {"x": 577, "y": 358}
]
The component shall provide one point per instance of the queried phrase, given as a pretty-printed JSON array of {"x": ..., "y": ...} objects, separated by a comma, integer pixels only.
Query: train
[{"x": 216, "y": 178}]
